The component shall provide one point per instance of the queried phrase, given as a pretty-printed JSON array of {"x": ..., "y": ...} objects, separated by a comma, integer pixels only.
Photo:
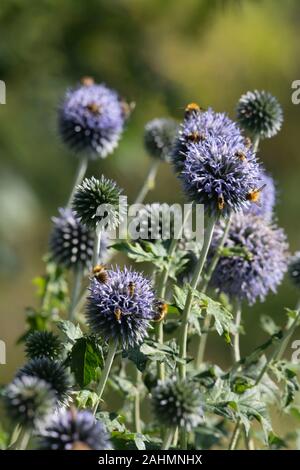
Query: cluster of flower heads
[
  {"x": 260, "y": 113},
  {"x": 159, "y": 136},
  {"x": 91, "y": 118},
  {"x": 177, "y": 403},
  {"x": 120, "y": 306},
  {"x": 74, "y": 430},
  {"x": 257, "y": 261}
]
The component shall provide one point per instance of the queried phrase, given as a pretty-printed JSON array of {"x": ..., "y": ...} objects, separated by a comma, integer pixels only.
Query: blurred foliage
[{"x": 160, "y": 54}]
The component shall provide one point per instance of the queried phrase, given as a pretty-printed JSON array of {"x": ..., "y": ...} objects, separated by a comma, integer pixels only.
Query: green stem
[
  {"x": 78, "y": 273},
  {"x": 236, "y": 340},
  {"x": 206, "y": 324},
  {"x": 82, "y": 167},
  {"x": 168, "y": 439},
  {"x": 97, "y": 245},
  {"x": 256, "y": 140},
  {"x": 105, "y": 373},
  {"x": 137, "y": 403},
  {"x": 190, "y": 296},
  {"x": 235, "y": 436},
  {"x": 149, "y": 182}
]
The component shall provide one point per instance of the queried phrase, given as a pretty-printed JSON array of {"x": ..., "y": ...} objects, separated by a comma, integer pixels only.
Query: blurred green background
[{"x": 161, "y": 54}]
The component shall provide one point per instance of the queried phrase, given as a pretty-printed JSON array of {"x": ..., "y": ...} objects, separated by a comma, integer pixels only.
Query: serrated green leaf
[{"x": 86, "y": 360}]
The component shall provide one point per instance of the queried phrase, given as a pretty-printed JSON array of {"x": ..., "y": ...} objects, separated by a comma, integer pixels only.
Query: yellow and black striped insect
[
  {"x": 161, "y": 311},
  {"x": 241, "y": 156},
  {"x": 131, "y": 288},
  {"x": 93, "y": 108},
  {"x": 192, "y": 108},
  {"x": 196, "y": 136},
  {"x": 254, "y": 195},
  {"x": 100, "y": 273},
  {"x": 118, "y": 314}
]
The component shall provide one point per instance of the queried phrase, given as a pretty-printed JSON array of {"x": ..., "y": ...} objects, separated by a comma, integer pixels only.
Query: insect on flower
[
  {"x": 254, "y": 195},
  {"x": 196, "y": 136},
  {"x": 93, "y": 108},
  {"x": 131, "y": 288},
  {"x": 241, "y": 156},
  {"x": 192, "y": 108},
  {"x": 118, "y": 314},
  {"x": 221, "y": 202},
  {"x": 100, "y": 273}
]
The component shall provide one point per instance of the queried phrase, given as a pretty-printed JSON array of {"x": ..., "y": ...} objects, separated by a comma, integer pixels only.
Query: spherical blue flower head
[
  {"x": 267, "y": 198},
  {"x": 259, "y": 267},
  {"x": 74, "y": 430},
  {"x": 294, "y": 269},
  {"x": 220, "y": 175},
  {"x": 197, "y": 126},
  {"x": 28, "y": 400},
  {"x": 91, "y": 119},
  {"x": 121, "y": 307}
]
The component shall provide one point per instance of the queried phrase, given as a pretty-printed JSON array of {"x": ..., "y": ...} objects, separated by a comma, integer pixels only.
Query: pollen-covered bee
[
  {"x": 78, "y": 445},
  {"x": 192, "y": 107},
  {"x": 93, "y": 108},
  {"x": 254, "y": 195},
  {"x": 118, "y": 314},
  {"x": 131, "y": 288},
  {"x": 161, "y": 311},
  {"x": 87, "y": 81},
  {"x": 241, "y": 156},
  {"x": 100, "y": 273},
  {"x": 221, "y": 202}
]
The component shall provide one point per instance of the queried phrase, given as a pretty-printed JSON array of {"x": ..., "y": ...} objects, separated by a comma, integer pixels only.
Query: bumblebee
[
  {"x": 131, "y": 288},
  {"x": 221, "y": 202},
  {"x": 192, "y": 108},
  {"x": 241, "y": 156},
  {"x": 161, "y": 311},
  {"x": 196, "y": 136},
  {"x": 78, "y": 445},
  {"x": 118, "y": 314},
  {"x": 254, "y": 195},
  {"x": 100, "y": 273},
  {"x": 87, "y": 81},
  {"x": 93, "y": 108}
]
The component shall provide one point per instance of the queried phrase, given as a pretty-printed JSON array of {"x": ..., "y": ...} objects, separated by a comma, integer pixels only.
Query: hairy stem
[
  {"x": 78, "y": 273},
  {"x": 236, "y": 340},
  {"x": 190, "y": 296},
  {"x": 168, "y": 439},
  {"x": 82, "y": 167},
  {"x": 105, "y": 373},
  {"x": 206, "y": 324},
  {"x": 149, "y": 183}
]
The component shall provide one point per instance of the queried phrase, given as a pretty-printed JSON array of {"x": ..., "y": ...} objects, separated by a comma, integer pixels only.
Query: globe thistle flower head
[
  {"x": 221, "y": 176},
  {"x": 97, "y": 201},
  {"x": 71, "y": 242},
  {"x": 267, "y": 198},
  {"x": 74, "y": 430},
  {"x": 28, "y": 400},
  {"x": 121, "y": 308},
  {"x": 294, "y": 269},
  {"x": 197, "y": 126},
  {"x": 260, "y": 113},
  {"x": 91, "y": 119},
  {"x": 52, "y": 372},
  {"x": 258, "y": 261},
  {"x": 177, "y": 403},
  {"x": 43, "y": 344},
  {"x": 159, "y": 137}
]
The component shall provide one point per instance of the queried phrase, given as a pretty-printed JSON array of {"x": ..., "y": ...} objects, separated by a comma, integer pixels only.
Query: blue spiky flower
[
  {"x": 264, "y": 207},
  {"x": 159, "y": 137},
  {"x": 43, "y": 344},
  {"x": 177, "y": 403},
  {"x": 121, "y": 308},
  {"x": 71, "y": 242},
  {"x": 52, "y": 372},
  {"x": 74, "y": 430},
  {"x": 260, "y": 113},
  {"x": 221, "y": 176},
  {"x": 256, "y": 261},
  {"x": 197, "y": 126},
  {"x": 91, "y": 118},
  {"x": 97, "y": 201},
  {"x": 294, "y": 268},
  {"x": 28, "y": 400}
]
